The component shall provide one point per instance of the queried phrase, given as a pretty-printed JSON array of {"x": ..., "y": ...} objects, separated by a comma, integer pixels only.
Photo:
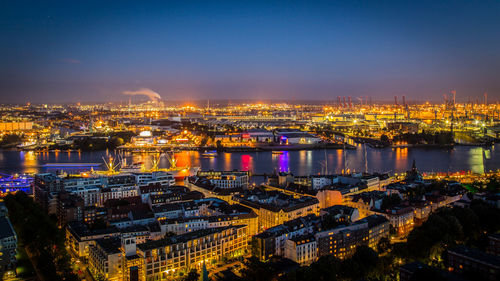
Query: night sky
[{"x": 91, "y": 51}]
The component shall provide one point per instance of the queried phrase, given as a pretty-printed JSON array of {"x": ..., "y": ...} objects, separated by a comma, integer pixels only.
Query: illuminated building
[
  {"x": 145, "y": 138},
  {"x": 70, "y": 207},
  {"x": 161, "y": 259},
  {"x": 117, "y": 192},
  {"x": 296, "y": 137},
  {"x": 341, "y": 213},
  {"x": 105, "y": 259},
  {"x": 79, "y": 237},
  {"x": 272, "y": 241},
  {"x": 301, "y": 249},
  {"x": 184, "y": 225},
  {"x": 158, "y": 177},
  {"x": 275, "y": 208},
  {"x": 401, "y": 218},
  {"x": 342, "y": 241},
  {"x": 226, "y": 179},
  {"x": 378, "y": 226},
  {"x": 365, "y": 202},
  {"x": 15, "y": 126}
]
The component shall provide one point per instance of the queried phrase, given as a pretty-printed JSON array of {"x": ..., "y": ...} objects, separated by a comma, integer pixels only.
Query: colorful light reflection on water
[{"x": 475, "y": 159}]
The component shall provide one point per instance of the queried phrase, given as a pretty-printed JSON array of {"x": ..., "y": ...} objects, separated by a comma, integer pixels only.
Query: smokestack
[
  {"x": 404, "y": 101},
  {"x": 343, "y": 102},
  {"x": 485, "y": 98},
  {"x": 338, "y": 101},
  {"x": 396, "y": 100},
  {"x": 350, "y": 102}
]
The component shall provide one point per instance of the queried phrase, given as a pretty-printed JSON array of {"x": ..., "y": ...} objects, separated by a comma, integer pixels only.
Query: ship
[
  {"x": 178, "y": 172},
  {"x": 15, "y": 183},
  {"x": 209, "y": 154}
]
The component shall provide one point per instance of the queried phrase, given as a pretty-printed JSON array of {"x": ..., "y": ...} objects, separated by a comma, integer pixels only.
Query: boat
[
  {"x": 15, "y": 183},
  {"x": 179, "y": 173},
  {"x": 209, "y": 154},
  {"x": 132, "y": 168},
  {"x": 70, "y": 165}
]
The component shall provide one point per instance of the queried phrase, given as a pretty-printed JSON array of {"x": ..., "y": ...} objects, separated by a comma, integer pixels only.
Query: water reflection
[
  {"x": 401, "y": 158},
  {"x": 246, "y": 163},
  {"x": 29, "y": 161},
  {"x": 475, "y": 159}
]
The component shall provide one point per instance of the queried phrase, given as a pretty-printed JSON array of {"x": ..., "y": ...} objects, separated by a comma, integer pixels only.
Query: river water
[{"x": 394, "y": 160}]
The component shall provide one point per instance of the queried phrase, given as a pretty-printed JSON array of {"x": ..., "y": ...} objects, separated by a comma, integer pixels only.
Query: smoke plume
[{"x": 154, "y": 96}]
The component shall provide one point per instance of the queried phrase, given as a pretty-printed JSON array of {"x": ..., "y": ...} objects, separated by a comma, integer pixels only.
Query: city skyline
[{"x": 60, "y": 52}]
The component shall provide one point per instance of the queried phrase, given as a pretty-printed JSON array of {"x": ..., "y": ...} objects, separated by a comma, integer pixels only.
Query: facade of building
[
  {"x": 494, "y": 244},
  {"x": 161, "y": 259},
  {"x": 402, "y": 219},
  {"x": 226, "y": 179},
  {"x": 8, "y": 244},
  {"x": 378, "y": 228},
  {"x": 274, "y": 208},
  {"x": 301, "y": 249},
  {"x": 117, "y": 192},
  {"x": 272, "y": 241},
  {"x": 105, "y": 259},
  {"x": 342, "y": 241},
  {"x": 70, "y": 207},
  {"x": 463, "y": 259},
  {"x": 79, "y": 237}
]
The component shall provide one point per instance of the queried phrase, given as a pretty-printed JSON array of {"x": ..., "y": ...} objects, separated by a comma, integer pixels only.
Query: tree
[
  {"x": 384, "y": 138},
  {"x": 366, "y": 260},
  {"x": 390, "y": 201},
  {"x": 493, "y": 185},
  {"x": 383, "y": 245},
  {"x": 43, "y": 240},
  {"x": 255, "y": 270},
  {"x": 10, "y": 139},
  {"x": 192, "y": 275}
]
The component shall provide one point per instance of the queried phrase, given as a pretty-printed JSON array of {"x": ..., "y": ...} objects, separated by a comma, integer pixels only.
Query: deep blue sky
[{"x": 63, "y": 51}]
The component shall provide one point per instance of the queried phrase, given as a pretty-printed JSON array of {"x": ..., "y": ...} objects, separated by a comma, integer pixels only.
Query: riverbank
[{"x": 289, "y": 147}]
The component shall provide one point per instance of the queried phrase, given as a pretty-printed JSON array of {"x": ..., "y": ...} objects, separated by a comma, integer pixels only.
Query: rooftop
[
  {"x": 182, "y": 238},
  {"x": 476, "y": 255},
  {"x": 109, "y": 245}
]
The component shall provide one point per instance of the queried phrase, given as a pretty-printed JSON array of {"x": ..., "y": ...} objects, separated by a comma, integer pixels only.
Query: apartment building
[
  {"x": 274, "y": 207},
  {"x": 105, "y": 259},
  {"x": 302, "y": 249},
  {"x": 161, "y": 259}
]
